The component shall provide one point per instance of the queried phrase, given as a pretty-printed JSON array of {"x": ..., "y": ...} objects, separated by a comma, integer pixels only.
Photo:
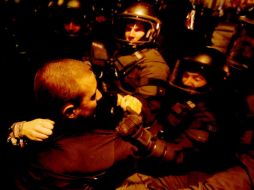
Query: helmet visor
[
  {"x": 241, "y": 55},
  {"x": 189, "y": 76},
  {"x": 133, "y": 31}
]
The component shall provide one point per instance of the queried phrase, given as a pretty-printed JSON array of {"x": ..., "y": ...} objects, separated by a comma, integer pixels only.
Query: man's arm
[{"x": 35, "y": 130}]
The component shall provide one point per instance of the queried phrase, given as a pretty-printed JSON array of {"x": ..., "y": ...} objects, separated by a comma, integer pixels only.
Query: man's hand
[
  {"x": 37, "y": 129},
  {"x": 129, "y": 103}
]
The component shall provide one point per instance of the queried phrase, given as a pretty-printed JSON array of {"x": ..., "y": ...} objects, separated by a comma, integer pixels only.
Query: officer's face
[
  {"x": 243, "y": 50},
  {"x": 134, "y": 32},
  {"x": 193, "y": 80},
  {"x": 72, "y": 28}
]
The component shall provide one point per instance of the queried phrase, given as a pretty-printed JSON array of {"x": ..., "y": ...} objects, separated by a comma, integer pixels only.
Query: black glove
[{"x": 130, "y": 125}]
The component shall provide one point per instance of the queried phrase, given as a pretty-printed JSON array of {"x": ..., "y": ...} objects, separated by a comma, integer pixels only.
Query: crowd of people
[{"x": 112, "y": 101}]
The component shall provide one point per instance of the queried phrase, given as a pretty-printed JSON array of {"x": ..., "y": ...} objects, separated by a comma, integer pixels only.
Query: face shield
[
  {"x": 72, "y": 18},
  {"x": 134, "y": 31},
  {"x": 200, "y": 72},
  {"x": 77, "y": 22},
  {"x": 190, "y": 77},
  {"x": 241, "y": 55},
  {"x": 137, "y": 25}
]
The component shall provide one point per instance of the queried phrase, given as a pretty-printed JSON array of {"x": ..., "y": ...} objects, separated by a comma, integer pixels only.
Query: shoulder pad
[{"x": 98, "y": 51}]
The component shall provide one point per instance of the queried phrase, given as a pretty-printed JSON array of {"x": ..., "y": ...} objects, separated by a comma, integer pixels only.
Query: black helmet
[
  {"x": 207, "y": 62},
  {"x": 241, "y": 51},
  {"x": 138, "y": 13},
  {"x": 75, "y": 11}
]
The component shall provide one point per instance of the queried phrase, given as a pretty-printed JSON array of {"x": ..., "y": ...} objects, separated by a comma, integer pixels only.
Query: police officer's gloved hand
[
  {"x": 131, "y": 128},
  {"x": 130, "y": 125}
]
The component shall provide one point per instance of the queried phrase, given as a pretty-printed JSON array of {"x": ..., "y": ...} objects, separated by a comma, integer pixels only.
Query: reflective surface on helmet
[{"x": 199, "y": 72}]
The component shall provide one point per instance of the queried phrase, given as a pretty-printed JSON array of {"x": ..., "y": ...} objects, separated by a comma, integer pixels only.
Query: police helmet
[
  {"x": 77, "y": 12},
  {"x": 241, "y": 52},
  {"x": 138, "y": 13},
  {"x": 207, "y": 62}
]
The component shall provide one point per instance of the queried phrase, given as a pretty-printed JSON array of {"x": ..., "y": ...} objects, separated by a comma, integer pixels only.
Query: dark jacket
[
  {"x": 79, "y": 161},
  {"x": 144, "y": 74},
  {"x": 199, "y": 132}
]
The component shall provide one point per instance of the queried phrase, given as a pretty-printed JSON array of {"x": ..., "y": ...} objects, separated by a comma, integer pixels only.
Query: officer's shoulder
[{"x": 151, "y": 53}]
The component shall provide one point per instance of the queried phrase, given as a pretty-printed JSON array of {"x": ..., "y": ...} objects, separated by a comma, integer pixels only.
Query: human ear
[{"x": 70, "y": 111}]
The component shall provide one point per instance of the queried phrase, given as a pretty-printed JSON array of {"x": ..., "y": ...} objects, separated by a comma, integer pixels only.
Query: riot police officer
[
  {"x": 70, "y": 29},
  {"x": 241, "y": 48},
  {"x": 240, "y": 63},
  {"x": 140, "y": 70},
  {"x": 194, "y": 124}
]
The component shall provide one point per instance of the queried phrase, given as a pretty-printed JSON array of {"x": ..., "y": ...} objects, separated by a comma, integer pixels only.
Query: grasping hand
[
  {"x": 129, "y": 103},
  {"x": 37, "y": 129}
]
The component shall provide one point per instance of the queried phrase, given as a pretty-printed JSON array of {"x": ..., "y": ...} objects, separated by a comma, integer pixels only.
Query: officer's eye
[
  {"x": 198, "y": 78},
  {"x": 128, "y": 28}
]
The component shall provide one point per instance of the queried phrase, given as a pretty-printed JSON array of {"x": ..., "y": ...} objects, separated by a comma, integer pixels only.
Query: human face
[
  {"x": 134, "y": 32},
  {"x": 72, "y": 27},
  {"x": 92, "y": 95},
  {"x": 193, "y": 80}
]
